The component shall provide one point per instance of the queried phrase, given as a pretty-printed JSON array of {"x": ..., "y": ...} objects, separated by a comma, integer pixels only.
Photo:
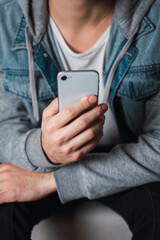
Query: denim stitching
[{"x": 145, "y": 68}]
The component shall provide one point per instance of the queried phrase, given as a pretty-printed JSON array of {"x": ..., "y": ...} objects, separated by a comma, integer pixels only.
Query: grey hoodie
[
  {"x": 127, "y": 165},
  {"x": 128, "y": 15}
]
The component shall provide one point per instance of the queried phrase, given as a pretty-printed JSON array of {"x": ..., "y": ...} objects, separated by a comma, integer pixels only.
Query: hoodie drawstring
[
  {"x": 116, "y": 63},
  {"x": 32, "y": 76}
]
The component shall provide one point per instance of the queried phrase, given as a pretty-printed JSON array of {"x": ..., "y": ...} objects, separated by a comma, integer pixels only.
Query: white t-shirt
[{"x": 94, "y": 58}]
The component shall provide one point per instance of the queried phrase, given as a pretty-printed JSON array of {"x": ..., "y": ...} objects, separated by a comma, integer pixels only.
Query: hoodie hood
[
  {"x": 128, "y": 13},
  {"x": 36, "y": 14}
]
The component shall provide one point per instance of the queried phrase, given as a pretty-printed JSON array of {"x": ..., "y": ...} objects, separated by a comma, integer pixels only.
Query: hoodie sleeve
[
  {"x": 126, "y": 166},
  {"x": 20, "y": 142}
]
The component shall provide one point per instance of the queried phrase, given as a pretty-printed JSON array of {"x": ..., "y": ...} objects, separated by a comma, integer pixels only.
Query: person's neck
[{"x": 79, "y": 20}]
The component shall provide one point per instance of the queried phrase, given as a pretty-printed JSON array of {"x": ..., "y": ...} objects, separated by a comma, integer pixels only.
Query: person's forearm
[
  {"x": 126, "y": 166},
  {"x": 19, "y": 185},
  {"x": 100, "y": 175}
]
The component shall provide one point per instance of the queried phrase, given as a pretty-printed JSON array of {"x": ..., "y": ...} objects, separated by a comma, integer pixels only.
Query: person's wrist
[
  {"x": 44, "y": 185},
  {"x": 48, "y": 183},
  {"x": 45, "y": 154}
]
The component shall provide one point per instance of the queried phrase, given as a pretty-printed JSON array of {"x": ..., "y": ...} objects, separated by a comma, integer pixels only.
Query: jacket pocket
[
  {"x": 17, "y": 82},
  {"x": 140, "y": 82}
]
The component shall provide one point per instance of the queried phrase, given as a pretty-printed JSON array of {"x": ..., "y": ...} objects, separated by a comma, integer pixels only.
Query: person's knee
[
  {"x": 144, "y": 202},
  {"x": 15, "y": 221},
  {"x": 6, "y": 216},
  {"x": 144, "y": 199},
  {"x": 140, "y": 202}
]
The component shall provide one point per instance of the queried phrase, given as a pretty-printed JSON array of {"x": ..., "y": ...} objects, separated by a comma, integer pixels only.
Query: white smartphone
[{"x": 75, "y": 85}]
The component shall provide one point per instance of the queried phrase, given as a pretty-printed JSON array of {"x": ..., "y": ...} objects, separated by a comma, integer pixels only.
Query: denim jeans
[{"x": 140, "y": 207}]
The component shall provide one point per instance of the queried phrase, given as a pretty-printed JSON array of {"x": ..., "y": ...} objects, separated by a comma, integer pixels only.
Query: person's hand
[
  {"x": 19, "y": 185},
  {"x": 69, "y": 135}
]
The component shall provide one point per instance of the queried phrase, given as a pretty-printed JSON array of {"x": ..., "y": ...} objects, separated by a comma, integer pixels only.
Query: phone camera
[{"x": 64, "y": 78}]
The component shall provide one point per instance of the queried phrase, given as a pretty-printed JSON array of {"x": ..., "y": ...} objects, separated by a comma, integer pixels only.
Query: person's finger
[
  {"x": 84, "y": 121},
  {"x": 2, "y": 197},
  {"x": 4, "y": 193},
  {"x": 51, "y": 109},
  {"x": 3, "y": 177},
  {"x": 80, "y": 153},
  {"x": 90, "y": 145},
  {"x": 80, "y": 124},
  {"x": 5, "y": 166},
  {"x": 86, "y": 136},
  {"x": 72, "y": 111},
  {"x": 6, "y": 197}
]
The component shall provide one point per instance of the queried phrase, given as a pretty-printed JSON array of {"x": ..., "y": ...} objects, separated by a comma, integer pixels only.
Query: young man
[{"x": 49, "y": 152}]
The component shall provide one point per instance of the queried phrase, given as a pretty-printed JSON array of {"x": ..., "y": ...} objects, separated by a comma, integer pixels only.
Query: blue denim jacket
[{"x": 134, "y": 99}]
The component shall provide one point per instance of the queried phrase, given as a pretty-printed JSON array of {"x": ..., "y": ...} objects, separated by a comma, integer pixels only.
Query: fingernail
[
  {"x": 102, "y": 117},
  {"x": 92, "y": 99},
  {"x": 104, "y": 107}
]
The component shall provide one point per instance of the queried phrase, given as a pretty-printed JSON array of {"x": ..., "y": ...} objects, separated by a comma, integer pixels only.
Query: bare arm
[{"x": 19, "y": 185}]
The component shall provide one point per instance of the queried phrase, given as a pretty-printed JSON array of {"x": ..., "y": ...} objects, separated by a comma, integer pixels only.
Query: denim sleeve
[
  {"x": 20, "y": 142},
  {"x": 125, "y": 167}
]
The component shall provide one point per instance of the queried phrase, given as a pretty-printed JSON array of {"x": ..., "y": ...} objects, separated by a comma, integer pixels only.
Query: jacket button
[
  {"x": 129, "y": 55},
  {"x": 45, "y": 55}
]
